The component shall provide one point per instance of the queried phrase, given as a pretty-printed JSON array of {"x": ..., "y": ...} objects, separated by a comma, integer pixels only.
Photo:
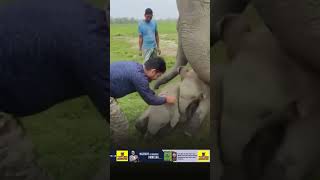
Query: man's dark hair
[
  {"x": 157, "y": 63},
  {"x": 148, "y": 11}
]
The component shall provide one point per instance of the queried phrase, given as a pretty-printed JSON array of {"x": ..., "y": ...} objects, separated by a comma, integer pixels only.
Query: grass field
[
  {"x": 70, "y": 139},
  {"x": 124, "y": 47}
]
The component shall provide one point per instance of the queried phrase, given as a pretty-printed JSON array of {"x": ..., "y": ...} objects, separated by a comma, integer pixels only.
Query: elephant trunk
[{"x": 173, "y": 72}]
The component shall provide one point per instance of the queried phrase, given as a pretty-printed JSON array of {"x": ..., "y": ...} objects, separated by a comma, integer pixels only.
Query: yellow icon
[
  {"x": 203, "y": 155},
  {"x": 122, "y": 156}
]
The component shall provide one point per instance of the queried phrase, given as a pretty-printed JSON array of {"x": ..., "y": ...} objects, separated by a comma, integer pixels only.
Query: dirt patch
[{"x": 168, "y": 47}]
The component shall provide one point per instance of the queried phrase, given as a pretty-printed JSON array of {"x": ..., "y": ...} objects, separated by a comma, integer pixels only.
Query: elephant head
[
  {"x": 157, "y": 118},
  {"x": 193, "y": 28},
  {"x": 192, "y": 107},
  {"x": 295, "y": 23}
]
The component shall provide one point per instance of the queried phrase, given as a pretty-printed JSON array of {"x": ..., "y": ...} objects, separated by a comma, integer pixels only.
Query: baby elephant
[
  {"x": 158, "y": 117},
  {"x": 192, "y": 107}
]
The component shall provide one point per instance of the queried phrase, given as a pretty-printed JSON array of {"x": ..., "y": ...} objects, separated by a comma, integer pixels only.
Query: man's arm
[
  {"x": 142, "y": 87},
  {"x": 157, "y": 39},
  {"x": 140, "y": 39},
  {"x": 140, "y": 42}
]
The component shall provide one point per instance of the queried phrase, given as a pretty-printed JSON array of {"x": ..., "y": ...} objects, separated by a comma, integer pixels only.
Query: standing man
[
  {"x": 148, "y": 36},
  {"x": 127, "y": 77}
]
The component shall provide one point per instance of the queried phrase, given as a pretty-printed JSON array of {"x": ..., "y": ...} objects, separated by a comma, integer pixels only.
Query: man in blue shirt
[
  {"x": 128, "y": 77},
  {"x": 148, "y": 36}
]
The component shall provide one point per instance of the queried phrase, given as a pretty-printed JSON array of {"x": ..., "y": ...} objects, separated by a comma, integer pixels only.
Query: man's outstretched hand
[{"x": 171, "y": 99}]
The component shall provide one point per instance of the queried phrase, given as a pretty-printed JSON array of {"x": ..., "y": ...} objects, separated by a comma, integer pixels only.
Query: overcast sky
[{"x": 162, "y": 9}]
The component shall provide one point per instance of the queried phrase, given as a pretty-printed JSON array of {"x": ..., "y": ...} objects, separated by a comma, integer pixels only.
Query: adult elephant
[
  {"x": 295, "y": 23},
  {"x": 193, "y": 28}
]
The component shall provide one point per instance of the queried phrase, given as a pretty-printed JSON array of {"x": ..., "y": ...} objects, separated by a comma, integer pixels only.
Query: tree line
[{"x": 127, "y": 20}]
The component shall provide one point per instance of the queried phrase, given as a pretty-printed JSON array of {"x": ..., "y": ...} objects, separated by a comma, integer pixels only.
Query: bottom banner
[{"x": 161, "y": 156}]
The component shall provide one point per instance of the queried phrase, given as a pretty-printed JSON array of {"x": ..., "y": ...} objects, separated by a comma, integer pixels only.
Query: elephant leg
[
  {"x": 194, "y": 33},
  {"x": 181, "y": 60},
  {"x": 17, "y": 157},
  {"x": 299, "y": 154}
]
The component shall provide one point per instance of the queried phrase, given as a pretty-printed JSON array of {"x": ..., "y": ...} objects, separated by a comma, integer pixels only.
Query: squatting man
[{"x": 127, "y": 77}]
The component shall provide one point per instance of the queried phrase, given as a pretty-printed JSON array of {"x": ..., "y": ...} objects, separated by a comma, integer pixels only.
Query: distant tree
[{"x": 124, "y": 20}]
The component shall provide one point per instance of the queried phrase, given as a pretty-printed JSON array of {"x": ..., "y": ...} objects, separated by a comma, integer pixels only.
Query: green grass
[
  {"x": 124, "y": 46},
  {"x": 70, "y": 139}
]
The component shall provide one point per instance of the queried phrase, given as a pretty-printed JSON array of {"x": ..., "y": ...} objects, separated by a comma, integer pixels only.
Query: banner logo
[
  {"x": 122, "y": 156},
  {"x": 204, "y": 156}
]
